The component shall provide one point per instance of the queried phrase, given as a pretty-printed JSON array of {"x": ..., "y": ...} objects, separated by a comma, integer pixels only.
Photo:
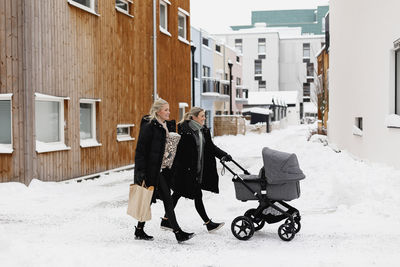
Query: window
[
  {"x": 87, "y": 123},
  {"x": 257, "y": 67},
  {"x": 6, "y": 124},
  {"x": 49, "y": 123},
  {"x": 358, "y": 126},
  {"x": 87, "y": 5},
  {"x": 226, "y": 77},
  {"x": 218, "y": 48},
  {"x": 306, "y": 50},
  {"x": 217, "y": 86},
  {"x": 182, "y": 106},
  {"x": 206, "y": 71},
  {"x": 205, "y": 41},
  {"x": 261, "y": 45},
  {"x": 397, "y": 84},
  {"x": 208, "y": 86},
  {"x": 262, "y": 84},
  {"x": 238, "y": 81},
  {"x": 182, "y": 25},
  {"x": 124, "y": 132},
  {"x": 237, "y": 59},
  {"x": 163, "y": 16},
  {"x": 310, "y": 69},
  {"x": 306, "y": 90},
  {"x": 224, "y": 90},
  {"x": 123, "y": 6},
  {"x": 208, "y": 119},
  {"x": 196, "y": 70},
  {"x": 239, "y": 45}
]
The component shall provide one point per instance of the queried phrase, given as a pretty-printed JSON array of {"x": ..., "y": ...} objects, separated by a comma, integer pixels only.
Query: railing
[
  {"x": 211, "y": 85},
  {"x": 224, "y": 89}
]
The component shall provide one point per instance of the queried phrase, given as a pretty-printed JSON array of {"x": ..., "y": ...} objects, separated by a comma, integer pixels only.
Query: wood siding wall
[
  {"x": 173, "y": 60},
  {"x": 323, "y": 68},
  {"x": 58, "y": 49},
  {"x": 12, "y": 166}
]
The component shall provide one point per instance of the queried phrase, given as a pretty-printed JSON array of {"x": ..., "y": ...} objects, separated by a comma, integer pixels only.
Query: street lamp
[
  {"x": 193, "y": 49},
  {"x": 230, "y": 64}
]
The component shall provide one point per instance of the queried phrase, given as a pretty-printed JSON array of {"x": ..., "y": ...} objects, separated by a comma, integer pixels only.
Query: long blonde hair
[
  {"x": 194, "y": 111},
  {"x": 156, "y": 107}
]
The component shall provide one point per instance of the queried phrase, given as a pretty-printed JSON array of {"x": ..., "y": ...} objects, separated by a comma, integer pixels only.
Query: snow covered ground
[{"x": 350, "y": 217}]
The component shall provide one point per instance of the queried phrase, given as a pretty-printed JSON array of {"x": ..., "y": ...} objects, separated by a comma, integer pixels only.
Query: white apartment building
[
  {"x": 277, "y": 58},
  {"x": 364, "y": 79}
]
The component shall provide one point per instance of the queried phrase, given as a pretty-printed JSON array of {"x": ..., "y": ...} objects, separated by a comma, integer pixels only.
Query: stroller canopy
[{"x": 281, "y": 167}]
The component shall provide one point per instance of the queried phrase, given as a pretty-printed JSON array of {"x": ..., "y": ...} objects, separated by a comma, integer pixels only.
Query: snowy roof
[
  {"x": 265, "y": 98},
  {"x": 258, "y": 110}
]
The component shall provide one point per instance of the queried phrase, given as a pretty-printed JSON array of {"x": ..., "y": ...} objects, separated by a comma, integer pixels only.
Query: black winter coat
[
  {"x": 185, "y": 164},
  {"x": 150, "y": 150}
]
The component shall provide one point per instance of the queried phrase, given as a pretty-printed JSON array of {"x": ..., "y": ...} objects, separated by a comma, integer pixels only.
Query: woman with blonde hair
[
  {"x": 151, "y": 164},
  {"x": 195, "y": 166}
]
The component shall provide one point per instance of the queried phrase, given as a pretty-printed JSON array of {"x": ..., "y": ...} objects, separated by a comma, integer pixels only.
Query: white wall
[
  {"x": 293, "y": 72},
  {"x": 293, "y": 115},
  {"x": 361, "y": 77}
]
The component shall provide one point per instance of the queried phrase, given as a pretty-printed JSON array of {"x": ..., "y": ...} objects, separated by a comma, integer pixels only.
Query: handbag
[
  {"x": 139, "y": 202},
  {"x": 171, "y": 146}
]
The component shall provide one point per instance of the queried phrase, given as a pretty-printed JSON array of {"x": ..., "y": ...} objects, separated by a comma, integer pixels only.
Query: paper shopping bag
[{"x": 139, "y": 202}]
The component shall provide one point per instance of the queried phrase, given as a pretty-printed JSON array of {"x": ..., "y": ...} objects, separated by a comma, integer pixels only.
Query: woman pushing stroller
[{"x": 195, "y": 166}]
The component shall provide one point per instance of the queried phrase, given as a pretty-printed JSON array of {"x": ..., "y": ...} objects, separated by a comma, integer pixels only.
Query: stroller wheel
[
  {"x": 286, "y": 232},
  {"x": 242, "y": 228},
  {"x": 297, "y": 224},
  {"x": 257, "y": 222}
]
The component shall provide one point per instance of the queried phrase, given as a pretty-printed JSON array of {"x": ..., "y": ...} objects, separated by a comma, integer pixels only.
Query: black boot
[
  {"x": 141, "y": 235},
  {"x": 165, "y": 225},
  {"x": 182, "y": 236},
  {"x": 212, "y": 226}
]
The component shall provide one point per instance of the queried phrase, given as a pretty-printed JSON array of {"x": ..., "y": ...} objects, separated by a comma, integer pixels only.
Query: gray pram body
[
  {"x": 281, "y": 174},
  {"x": 278, "y": 181}
]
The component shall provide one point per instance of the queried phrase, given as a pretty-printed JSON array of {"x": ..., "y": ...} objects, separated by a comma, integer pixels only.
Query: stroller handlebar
[{"x": 223, "y": 162}]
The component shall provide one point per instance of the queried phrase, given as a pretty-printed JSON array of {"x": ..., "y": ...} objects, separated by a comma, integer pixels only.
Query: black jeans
[
  {"x": 165, "y": 194},
  {"x": 198, "y": 203}
]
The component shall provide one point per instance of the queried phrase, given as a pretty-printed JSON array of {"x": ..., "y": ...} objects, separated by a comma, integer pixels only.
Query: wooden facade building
[
  {"x": 76, "y": 77},
  {"x": 323, "y": 76}
]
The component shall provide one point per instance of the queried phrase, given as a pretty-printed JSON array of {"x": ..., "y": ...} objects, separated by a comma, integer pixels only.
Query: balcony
[{"x": 217, "y": 90}]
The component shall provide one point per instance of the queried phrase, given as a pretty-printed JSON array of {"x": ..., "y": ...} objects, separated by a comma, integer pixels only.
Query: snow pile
[
  {"x": 319, "y": 138},
  {"x": 350, "y": 212}
]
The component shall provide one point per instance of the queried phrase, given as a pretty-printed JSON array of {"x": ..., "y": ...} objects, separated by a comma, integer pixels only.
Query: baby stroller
[{"x": 278, "y": 181}]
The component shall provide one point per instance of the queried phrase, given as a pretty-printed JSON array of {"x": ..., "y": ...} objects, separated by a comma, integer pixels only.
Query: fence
[{"x": 229, "y": 125}]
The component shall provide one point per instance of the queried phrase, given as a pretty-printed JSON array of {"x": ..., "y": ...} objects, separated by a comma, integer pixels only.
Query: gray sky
[{"x": 217, "y": 15}]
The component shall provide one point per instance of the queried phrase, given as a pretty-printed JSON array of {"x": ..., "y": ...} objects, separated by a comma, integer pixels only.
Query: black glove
[
  {"x": 139, "y": 178},
  {"x": 227, "y": 157}
]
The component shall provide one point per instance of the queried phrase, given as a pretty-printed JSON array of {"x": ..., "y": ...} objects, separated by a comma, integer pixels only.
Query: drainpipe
[
  {"x": 154, "y": 49},
  {"x": 193, "y": 49},
  {"x": 201, "y": 66}
]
